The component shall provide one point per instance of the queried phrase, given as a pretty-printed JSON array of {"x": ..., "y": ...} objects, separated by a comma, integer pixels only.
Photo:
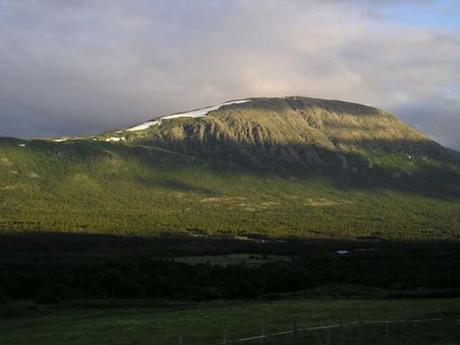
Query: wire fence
[{"x": 435, "y": 331}]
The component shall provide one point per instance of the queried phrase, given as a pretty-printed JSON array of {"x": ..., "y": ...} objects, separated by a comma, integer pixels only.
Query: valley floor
[{"x": 103, "y": 289}]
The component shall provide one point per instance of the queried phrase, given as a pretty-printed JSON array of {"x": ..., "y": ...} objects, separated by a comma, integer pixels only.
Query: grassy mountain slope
[{"x": 273, "y": 167}]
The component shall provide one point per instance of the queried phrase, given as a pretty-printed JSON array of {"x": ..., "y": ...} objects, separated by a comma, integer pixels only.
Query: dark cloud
[
  {"x": 439, "y": 119},
  {"x": 73, "y": 67}
]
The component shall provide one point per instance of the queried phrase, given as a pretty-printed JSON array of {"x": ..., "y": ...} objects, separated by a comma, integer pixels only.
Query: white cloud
[{"x": 72, "y": 67}]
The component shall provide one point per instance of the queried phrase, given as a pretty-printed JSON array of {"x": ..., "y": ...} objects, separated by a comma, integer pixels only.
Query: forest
[{"x": 51, "y": 268}]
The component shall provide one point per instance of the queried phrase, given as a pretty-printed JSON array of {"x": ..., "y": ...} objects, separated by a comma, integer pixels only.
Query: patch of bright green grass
[{"x": 232, "y": 259}]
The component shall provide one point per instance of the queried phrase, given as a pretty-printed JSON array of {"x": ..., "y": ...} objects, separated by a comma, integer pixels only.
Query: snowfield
[
  {"x": 194, "y": 113},
  {"x": 115, "y": 139},
  {"x": 143, "y": 126}
]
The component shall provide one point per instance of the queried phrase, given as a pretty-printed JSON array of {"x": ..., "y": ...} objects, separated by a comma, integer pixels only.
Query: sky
[{"x": 72, "y": 67}]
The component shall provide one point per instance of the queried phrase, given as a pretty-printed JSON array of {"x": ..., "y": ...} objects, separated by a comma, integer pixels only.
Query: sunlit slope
[{"x": 274, "y": 167}]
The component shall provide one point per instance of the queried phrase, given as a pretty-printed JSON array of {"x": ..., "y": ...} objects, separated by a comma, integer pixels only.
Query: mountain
[
  {"x": 296, "y": 133},
  {"x": 292, "y": 166}
]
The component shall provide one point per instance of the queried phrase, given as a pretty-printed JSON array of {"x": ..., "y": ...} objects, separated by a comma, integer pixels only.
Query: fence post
[
  {"x": 405, "y": 323},
  {"x": 343, "y": 336},
  {"x": 225, "y": 337},
  {"x": 262, "y": 331},
  {"x": 387, "y": 332},
  {"x": 328, "y": 336},
  {"x": 443, "y": 326},
  {"x": 294, "y": 332},
  {"x": 180, "y": 339}
]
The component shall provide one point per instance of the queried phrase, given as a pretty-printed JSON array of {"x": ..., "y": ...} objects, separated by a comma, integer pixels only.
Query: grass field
[{"x": 207, "y": 323}]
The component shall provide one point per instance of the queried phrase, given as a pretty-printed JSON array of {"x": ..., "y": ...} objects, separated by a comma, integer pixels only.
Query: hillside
[{"x": 265, "y": 166}]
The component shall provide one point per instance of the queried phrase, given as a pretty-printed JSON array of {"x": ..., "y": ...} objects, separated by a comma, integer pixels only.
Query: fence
[{"x": 387, "y": 332}]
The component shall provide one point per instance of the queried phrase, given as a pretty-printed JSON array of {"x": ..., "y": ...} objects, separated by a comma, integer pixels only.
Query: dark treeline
[{"x": 143, "y": 270}]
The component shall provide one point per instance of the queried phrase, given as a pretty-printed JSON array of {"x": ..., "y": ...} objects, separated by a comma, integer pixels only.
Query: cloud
[
  {"x": 72, "y": 67},
  {"x": 439, "y": 119}
]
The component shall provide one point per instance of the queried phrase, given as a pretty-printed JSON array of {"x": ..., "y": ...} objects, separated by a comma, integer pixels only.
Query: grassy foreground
[{"x": 206, "y": 324}]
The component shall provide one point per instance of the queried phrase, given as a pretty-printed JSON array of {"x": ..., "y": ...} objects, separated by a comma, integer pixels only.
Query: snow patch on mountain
[
  {"x": 115, "y": 139},
  {"x": 143, "y": 126},
  {"x": 194, "y": 113}
]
